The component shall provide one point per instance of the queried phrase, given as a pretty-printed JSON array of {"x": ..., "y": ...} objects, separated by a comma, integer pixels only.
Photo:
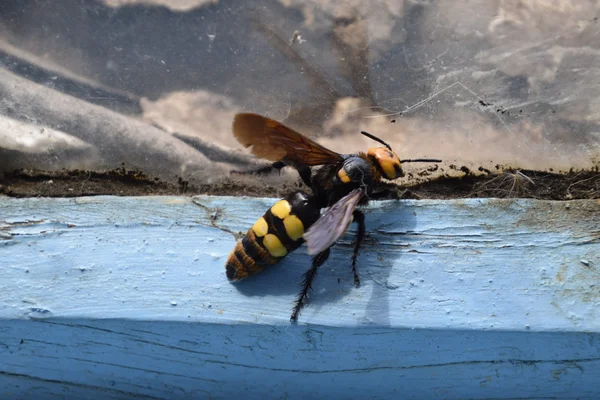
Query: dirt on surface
[
  {"x": 512, "y": 184},
  {"x": 460, "y": 182}
]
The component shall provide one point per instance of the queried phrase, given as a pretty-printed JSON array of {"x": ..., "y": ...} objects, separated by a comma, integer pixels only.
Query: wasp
[{"x": 340, "y": 184}]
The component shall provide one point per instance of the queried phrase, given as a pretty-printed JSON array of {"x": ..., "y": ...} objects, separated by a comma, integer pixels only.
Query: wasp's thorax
[
  {"x": 356, "y": 169},
  {"x": 386, "y": 161}
]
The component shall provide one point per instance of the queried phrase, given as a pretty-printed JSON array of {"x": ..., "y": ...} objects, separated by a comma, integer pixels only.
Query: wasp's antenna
[
  {"x": 375, "y": 138},
  {"x": 420, "y": 160}
]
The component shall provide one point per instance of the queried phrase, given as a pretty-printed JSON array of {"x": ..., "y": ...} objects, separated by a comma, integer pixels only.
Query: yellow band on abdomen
[
  {"x": 274, "y": 245},
  {"x": 281, "y": 209},
  {"x": 260, "y": 227},
  {"x": 293, "y": 227}
]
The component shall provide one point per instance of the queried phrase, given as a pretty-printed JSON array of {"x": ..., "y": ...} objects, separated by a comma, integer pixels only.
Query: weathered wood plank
[
  {"x": 471, "y": 264},
  {"x": 124, "y": 358},
  {"x": 119, "y": 297}
]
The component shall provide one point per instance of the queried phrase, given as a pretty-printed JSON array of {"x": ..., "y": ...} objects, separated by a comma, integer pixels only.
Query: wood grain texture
[{"x": 111, "y": 297}]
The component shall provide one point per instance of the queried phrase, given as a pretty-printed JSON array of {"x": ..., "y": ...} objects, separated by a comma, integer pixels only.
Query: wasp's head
[
  {"x": 384, "y": 158},
  {"x": 386, "y": 161}
]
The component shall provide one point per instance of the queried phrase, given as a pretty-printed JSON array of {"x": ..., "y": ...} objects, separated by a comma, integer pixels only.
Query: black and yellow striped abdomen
[{"x": 278, "y": 232}]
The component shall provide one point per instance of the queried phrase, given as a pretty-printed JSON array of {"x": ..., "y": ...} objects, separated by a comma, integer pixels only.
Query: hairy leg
[
  {"x": 317, "y": 261},
  {"x": 359, "y": 218}
]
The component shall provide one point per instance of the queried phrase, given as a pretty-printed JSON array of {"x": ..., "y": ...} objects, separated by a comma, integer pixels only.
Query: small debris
[
  {"x": 39, "y": 312},
  {"x": 585, "y": 262},
  {"x": 297, "y": 38},
  {"x": 174, "y": 303}
]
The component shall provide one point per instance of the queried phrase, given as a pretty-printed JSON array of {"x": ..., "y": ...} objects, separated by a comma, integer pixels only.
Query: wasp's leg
[
  {"x": 305, "y": 175},
  {"x": 276, "y": 166},
  {"x": 390, "y": 191},
  {"x": 303, "y": 171},
  {"x": 359, "y": 218},
  {"x": 317, "y": 261}
]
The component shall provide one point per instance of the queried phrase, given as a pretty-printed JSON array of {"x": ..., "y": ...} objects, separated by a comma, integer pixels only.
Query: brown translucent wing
[
  {"x": 332, "y": 224},
  {"x": 276, "y": 142}
]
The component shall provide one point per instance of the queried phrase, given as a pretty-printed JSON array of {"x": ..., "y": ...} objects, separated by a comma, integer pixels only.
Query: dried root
[{"x": 508, "y": 184}]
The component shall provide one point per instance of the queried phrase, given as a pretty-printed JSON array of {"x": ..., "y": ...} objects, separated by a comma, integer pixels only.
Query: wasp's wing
[
  {"x": 332, "y": 224},
  {"x": 276, "y": 142}
]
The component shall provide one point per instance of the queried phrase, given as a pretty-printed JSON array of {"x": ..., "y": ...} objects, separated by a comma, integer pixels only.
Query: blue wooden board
[
  {"x": 120, "y": 359},
  {"x": 111, "y": 297}
]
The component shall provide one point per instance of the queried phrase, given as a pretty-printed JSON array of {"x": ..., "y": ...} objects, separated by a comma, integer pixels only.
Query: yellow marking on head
[
  {"x": 293, "y": 227},
  {"x": 274, "y": 245},
  {"x": 343, "y": 175},
  {"x": 281, "y": 209},
  {"x": 260, "y": 227},
  {"x": 388, "y": 162}
]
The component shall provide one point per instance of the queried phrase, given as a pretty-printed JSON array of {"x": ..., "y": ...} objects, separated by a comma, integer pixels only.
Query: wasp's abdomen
[{"x": 278, "y": 232}]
